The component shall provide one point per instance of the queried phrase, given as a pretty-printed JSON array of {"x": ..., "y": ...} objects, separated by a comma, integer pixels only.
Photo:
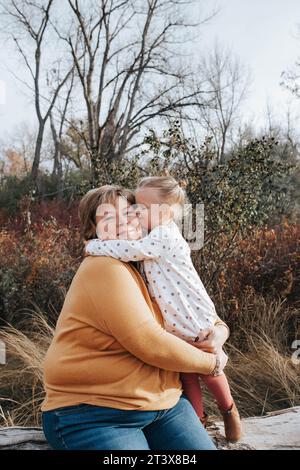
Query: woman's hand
[
  {"x": 223, "y": 358},
  {"x": 214, "y": 339}
]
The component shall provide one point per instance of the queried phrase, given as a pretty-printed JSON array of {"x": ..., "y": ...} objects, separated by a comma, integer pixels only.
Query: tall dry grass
[
  {"x": 21, "y": 378},
  {"x": 261, "y": 373},
  {"x": 260, "y": 370}
]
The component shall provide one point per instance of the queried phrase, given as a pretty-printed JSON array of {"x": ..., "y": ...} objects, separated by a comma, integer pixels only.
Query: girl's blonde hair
[{"x": 171, "y": 191}]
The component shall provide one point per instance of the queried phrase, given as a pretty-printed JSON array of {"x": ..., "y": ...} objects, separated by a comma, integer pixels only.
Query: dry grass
[
  {"x": 21, "y": 390},
  {"x": 262, "y": 380},
  {"x": 270, "y": 318},
  {"x": 262, "y": 375}
]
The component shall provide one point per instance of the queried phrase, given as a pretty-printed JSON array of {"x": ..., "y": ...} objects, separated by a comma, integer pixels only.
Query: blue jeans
[{"x": 90, "y": 427}]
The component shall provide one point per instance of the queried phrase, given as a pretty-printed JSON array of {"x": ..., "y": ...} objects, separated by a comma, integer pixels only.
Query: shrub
[
  {"x": 267, "y": 262},
  {"x": 37, "y": 267}
]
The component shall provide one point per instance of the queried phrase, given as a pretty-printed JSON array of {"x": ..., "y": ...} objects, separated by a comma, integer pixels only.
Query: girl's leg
[
  {"x": 219, "y": 388},
  {"x": 192, "y": 390}
]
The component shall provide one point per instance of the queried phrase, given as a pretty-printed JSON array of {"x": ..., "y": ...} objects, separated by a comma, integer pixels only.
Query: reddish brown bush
[
  {"x": 37, "y": 266},
  {"x": 267, "y": 262}
]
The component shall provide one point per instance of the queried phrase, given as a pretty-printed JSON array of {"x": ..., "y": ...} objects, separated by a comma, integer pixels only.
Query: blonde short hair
[{"x": 170, "y": 190}]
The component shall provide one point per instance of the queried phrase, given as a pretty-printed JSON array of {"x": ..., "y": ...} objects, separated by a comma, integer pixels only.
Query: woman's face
[{"x": 117, "y": 221}]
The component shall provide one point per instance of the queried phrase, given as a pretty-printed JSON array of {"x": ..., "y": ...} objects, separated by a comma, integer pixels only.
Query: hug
[{"x": 138, "y": 333}]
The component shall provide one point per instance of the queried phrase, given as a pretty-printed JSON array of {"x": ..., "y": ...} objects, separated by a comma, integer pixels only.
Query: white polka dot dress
[{"x": 171, "y": 277}]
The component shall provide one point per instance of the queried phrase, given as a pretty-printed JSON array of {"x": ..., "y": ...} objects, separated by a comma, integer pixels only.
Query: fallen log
[
  {"x": 279, "y": 430},
  {"x": 19, "y": 438}
]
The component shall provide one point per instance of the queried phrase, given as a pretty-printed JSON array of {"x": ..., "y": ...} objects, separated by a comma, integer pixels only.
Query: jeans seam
[
  {"x": 160, "y": 414},
  {"x": 59, "y": 435}
]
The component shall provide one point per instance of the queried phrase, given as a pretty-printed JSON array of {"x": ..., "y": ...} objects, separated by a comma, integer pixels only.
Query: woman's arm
[{"x": 120, "y": 305}]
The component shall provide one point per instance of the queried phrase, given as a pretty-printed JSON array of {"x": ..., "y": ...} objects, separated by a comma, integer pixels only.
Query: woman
[{"x": 112, "y": 372}]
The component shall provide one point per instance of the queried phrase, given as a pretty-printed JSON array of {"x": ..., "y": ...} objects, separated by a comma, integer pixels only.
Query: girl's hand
[{"x": 214, "y": 339}]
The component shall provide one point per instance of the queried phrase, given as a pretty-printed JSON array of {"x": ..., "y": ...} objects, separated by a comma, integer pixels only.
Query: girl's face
[
  {"x": 152, "y": 212},
  {"x": 117, "y": 221}
]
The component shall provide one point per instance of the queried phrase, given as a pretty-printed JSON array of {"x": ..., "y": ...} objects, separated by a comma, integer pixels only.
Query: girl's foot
[{"x": 232, "y": 424}]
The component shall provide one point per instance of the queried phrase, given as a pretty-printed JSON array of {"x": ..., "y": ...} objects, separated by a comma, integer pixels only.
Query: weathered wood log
[
  {"x": 278, "y": 430},
  {"x": 20, "y": 438}
]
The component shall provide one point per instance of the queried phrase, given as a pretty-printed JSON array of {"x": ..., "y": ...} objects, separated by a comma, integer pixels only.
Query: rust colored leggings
[{"x": 217, "y": 385}]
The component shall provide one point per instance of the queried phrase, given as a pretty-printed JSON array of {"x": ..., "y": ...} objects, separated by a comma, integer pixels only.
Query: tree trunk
[{"x": 37, "y": 153}]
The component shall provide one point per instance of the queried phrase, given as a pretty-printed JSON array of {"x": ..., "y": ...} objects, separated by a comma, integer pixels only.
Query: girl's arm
[{"x": 150, "y": 247}]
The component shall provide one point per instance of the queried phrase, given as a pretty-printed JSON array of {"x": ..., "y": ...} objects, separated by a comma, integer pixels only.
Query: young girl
[{"x": 173, "y": 282}]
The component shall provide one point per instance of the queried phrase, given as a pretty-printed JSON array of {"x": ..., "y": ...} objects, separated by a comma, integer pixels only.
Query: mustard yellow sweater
[{"x": 110, "y": 347}]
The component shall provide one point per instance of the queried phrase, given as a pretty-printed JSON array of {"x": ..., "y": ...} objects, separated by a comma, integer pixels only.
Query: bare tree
[
  {"x": 58, "y": 121},
  {"x": 284, "y": 131},
  {"x": 29, "y": 22},
  {"x": 227, "y": 84},
  {"x": 124, "y": 52},
  {"x": 290, "y": 78}
]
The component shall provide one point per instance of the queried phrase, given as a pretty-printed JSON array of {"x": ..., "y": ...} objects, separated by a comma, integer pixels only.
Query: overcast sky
[{"x": 262, "y": 33}]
